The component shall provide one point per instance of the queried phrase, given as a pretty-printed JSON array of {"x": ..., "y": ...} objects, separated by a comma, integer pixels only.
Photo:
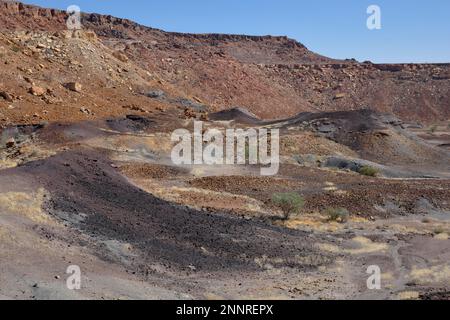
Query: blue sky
[{"x": 412, "y": 30}]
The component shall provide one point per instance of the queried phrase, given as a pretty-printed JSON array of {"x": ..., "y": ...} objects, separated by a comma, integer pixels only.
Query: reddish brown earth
[{"x": 271, "y": 76}]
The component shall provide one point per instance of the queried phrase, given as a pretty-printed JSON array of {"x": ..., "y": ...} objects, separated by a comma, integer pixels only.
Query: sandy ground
[{"x": 140, "y": 228}]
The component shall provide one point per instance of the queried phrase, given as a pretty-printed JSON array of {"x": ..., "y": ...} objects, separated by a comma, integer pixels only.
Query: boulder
[
  {"x": 187, "y": 103},
  {"x": 6, "y": 96},
  {"x": 37, "y": 91},
  {"x": 120, "y": 56},
  {"x": 74, "y": 86},
  {"x": 155, "y": 94},
  {"x": 326, "y": 128},
  {"x": 10, "y": 143},
  {"x": 339, "y": 96}
]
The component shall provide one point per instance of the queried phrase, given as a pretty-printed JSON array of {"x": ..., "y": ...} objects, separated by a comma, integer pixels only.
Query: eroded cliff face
[{"x": 274, "y": 77}]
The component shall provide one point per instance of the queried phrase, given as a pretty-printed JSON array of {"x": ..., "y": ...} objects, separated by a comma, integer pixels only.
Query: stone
[
  {"x": 10, "y": 143},
  {"x": 339, "y": 96},
  {"x": 326, "y": 128},
  {"x": 187, "y": 103},
  {"x": 86, "y": 111},
  {"x": 6, "y": 96},
  {"x": 29, "y": 80},
  {"x": 155, "y": 94},
  {"x": 120, "y": 56},
  {"x": 189, "y": 113},
  {"x": 37, "y": 91},
  {"x": 74, "y": 86},
  {"x": 89, "y": 35}
]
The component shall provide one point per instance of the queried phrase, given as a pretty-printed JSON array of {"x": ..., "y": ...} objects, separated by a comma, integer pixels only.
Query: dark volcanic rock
[{"x": 83, "y": 183}]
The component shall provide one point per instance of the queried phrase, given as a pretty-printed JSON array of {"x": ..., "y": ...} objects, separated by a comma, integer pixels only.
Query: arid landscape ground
[{"x": 86, "y": 176}]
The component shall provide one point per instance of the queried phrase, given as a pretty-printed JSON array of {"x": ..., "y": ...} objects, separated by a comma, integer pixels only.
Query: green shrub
[
  {"x": 15, "y": 49},
  {"x": 337, "y": 214},
  {"x": 433, "y": 129},
  {"x": 368, "y": 171},
  {"x": 289, "y": 203}
]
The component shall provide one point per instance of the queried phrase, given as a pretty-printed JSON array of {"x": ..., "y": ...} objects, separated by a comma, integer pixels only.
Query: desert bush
[
  {"x": 426, "y": 220},
  {"x": 368, "y": 171},
  {"x": 433, "y": 129},
  {"x": 15, "y": 49},
  {"x": 337, "y": 214},
  {"x": 289, "y": 203}
]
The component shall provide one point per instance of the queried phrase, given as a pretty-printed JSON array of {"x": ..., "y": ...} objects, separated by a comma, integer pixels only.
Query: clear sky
[{"x": 412, "y": 30}]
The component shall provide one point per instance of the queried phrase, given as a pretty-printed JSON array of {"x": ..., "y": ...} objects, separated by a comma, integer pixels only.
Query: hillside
[{"x": 274, "y": 77}]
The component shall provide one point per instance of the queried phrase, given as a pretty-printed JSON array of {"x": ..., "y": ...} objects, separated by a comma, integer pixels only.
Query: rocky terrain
[
  {"x": 273, "y": 77},
  {"x": 86, "y": 177}
]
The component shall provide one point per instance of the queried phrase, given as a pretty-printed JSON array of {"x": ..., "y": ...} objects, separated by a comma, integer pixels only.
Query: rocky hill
[{"x": 273, "y": 77}]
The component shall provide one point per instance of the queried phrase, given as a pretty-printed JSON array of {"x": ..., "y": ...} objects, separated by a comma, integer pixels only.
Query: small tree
[{"x": 289, "y": 203}]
